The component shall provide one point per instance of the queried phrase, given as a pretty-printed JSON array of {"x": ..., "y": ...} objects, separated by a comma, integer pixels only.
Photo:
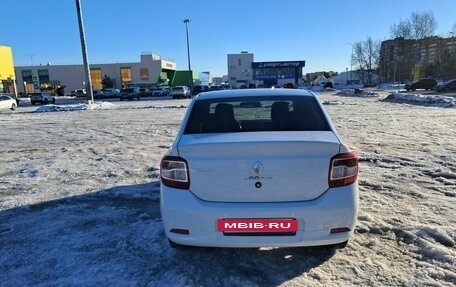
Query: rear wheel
[
  {"x": 45, "y": 101},
  {"x": 13, "y": 107}
]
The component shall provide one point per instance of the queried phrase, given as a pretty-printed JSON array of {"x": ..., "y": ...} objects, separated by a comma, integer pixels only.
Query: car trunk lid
[{"x": 259, "y": 167}]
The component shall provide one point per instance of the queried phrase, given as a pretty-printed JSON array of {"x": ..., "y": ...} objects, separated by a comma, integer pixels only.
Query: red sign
[{"x": 257, "y": 225}]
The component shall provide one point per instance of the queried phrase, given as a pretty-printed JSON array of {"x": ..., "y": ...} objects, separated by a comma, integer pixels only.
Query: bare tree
[
  {"x": 424, "y": 24},
  {"x": 419, "y": 26},
  {"x": 365, "y": 57},
  {"x": 402, "y": 30}
]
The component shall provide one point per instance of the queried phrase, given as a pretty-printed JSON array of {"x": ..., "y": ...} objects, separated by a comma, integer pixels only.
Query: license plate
[{"x": 254, "y": 225}]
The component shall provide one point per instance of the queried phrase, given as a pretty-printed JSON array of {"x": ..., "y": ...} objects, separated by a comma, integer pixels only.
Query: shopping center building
[
  {"x": 243, "y": 71},
  {"x": 62, "y": 79}
]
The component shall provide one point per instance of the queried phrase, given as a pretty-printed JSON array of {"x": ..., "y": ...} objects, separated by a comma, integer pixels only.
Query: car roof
[{"x": 253, "y": 93}]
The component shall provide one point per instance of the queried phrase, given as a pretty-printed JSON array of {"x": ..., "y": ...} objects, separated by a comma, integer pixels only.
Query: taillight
[
  {"x": 174, "y": 172},
  {"x": 343, "y": 169}
]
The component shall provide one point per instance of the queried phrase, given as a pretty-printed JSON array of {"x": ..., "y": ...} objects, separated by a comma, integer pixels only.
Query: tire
[
  {"x": 13, "y": 107},
  {"x": 121, "y": 99},
  {"x": 45, "y": 101},
  {"x": 53, "y": 101},
  {"x": 33, "y": 103},
  {"x": 447, "y": 90}
]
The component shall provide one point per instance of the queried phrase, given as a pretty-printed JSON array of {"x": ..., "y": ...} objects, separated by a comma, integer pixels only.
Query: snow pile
[
  {"x": 75, "y": 107},
  {"x": 312, "y": 88},
  {"x": 356, "y": 93},
  {"x": 429, "y": 100}
]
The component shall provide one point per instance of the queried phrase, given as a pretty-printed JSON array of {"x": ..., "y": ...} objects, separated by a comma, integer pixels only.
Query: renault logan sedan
[{"x": 259, "y": 167}]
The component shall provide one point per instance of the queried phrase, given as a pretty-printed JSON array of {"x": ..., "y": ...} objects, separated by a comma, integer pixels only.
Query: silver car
[
  {"x": 180, "y": 92},
  {"x": 41, "y": 98}
]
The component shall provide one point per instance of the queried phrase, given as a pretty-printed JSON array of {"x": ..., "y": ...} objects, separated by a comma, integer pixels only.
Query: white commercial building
[
  {"x": 240, "y": 69},
  {"x": 62, "y": 79},
  {"x": 244, "y": 72}
]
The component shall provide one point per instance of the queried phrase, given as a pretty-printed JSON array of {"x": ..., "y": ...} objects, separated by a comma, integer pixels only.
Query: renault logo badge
[{"x": 257, "y": 167}]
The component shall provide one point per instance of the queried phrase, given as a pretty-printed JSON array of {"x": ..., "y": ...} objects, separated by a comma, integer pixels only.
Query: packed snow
[
  {"x": 357, "y": 93},
  {"x": 419, "y": 99},
  {"x": 79, "y": 200},
  {"x": 75, "y": 107}
]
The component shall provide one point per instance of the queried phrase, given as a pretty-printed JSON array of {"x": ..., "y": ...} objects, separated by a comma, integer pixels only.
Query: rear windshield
[{"x": 256, "y": 114}]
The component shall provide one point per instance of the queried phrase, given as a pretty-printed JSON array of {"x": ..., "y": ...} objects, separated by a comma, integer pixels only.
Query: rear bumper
[{"x": 338, "y": 207}]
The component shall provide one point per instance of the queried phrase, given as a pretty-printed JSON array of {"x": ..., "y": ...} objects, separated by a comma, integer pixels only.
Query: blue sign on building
[
  {"x": 280, "y": 64},
  {"x": 271, "y": 72}
]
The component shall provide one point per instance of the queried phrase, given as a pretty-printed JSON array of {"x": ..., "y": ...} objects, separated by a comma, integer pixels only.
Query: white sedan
[
  {"x": 7, "y": 102},
  {"x": 259, "y": 167}
]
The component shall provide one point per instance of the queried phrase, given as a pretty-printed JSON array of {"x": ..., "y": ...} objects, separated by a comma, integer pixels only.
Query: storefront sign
[{"x": 282, "y": 64}]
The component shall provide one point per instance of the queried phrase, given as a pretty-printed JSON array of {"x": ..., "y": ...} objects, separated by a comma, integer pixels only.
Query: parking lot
[{"x": 79, "y": 201}]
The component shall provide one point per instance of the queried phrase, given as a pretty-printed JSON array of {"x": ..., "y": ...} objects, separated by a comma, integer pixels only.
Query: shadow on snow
[{"x": 115, "y": 237}]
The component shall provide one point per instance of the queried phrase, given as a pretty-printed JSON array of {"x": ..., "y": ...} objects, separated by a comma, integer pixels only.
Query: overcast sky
[{"x": 119, "y": 31}]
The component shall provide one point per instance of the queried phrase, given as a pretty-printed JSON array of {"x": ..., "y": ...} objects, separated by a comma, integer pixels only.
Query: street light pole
[
  {"x": 186, "y": 21},
  {"x": 84, "y": 54},
  {"x": 31, "y": 57}
]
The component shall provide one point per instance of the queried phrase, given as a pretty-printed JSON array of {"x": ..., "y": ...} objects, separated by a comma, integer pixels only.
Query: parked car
[
  {"x": 199, "y": 89},
  {"x": 160, "y": 91},
  {"x": 79, "y": 93},
  {"x": 180, "y": 92},
  {"x": 11, "y": 96},
  {"x": 145, "y": 92},
  {"x": 426, "y": 84},
  {"x": 447, "y": 86},
  {"x": 130, "y": 94},
  {"x": 7, "y": 102},
  {"x": 110, "y": 92},
  {"x": 42, "y": 98},
  {"x": 98, "y": 94},
  {"x": 270, "y": 172}
]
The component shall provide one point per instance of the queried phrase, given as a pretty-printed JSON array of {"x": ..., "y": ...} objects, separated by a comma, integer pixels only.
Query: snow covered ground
[{"x": 79, "y": 201}]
